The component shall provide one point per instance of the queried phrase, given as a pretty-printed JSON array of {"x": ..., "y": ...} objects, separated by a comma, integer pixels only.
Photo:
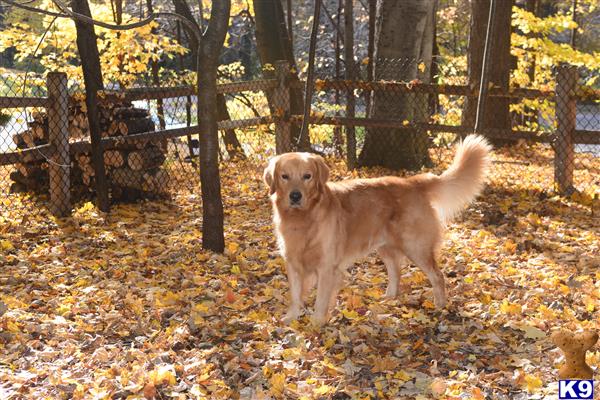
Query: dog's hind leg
[
  {"x": 425, "y": 260},
  {"x": 394, "y": 260}
]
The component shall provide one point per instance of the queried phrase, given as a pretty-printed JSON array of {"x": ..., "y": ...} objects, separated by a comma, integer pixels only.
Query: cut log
[
  {"x": 28, "y": 157},
  {"x": 83, "y": 159},
  {"x": 123, "y": 129},
  {"x": 77, "y": 132},
  {"x": 130, "y": 112},
  {"x": 121, "y": 144},
  {"x": 114, "y": 158},
  {"x": 36, "y": 183},
  {"x": 80, "y": 120},
  {"x": 38, "y": 130},
  {"x": 32, "y": 169},
  {"x": 87, "y": 179},
  {"x": 17, "y": 187},
  {"x": 113, "y": 129},
  {"x": 87, "y": 171},
  {"x": 141, "y": 180},
  {"x": 39, "y": 116},
  {"x": 150, "y": 157},
  {"x": 27, "y": 139},
  {"x": 138, "y": 125}
]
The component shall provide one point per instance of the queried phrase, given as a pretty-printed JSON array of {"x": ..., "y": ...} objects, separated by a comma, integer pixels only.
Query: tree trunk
[
  {"x": 92, "y": 76},
  {"x": 496, "y": 113},
  {"x": 273, "y": 44},
  {"x": 232, "y": 143},
  {"x": 434, "y": 99},
  {"x": 337, "y": 130},
  {"x": 350, "y": 75},
  {"x": 208, "y": 60},
  {"x": 371, "y": 50},
  {"x": 404, "y": 31}
]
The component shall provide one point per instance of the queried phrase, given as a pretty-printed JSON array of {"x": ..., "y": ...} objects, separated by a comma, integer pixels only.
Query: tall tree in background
[
  {"x": 350, "y": 75},
  {"x": 92, "y": 77},
  {"x": 496, "y": 113},
  {"x": 404, "y": 31},
  {"x": 273, "y": 44},
  {"x": 232, "y": 144}
]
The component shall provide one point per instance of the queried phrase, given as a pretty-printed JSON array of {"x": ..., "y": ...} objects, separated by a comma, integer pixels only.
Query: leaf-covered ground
[{"x": 127, "y": 305}]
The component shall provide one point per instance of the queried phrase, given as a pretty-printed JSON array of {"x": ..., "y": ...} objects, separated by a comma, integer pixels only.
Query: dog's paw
[
  {"x": 391, "y": 292},
  {"x": 318, "y": 321},
  {"x": 440, "y": 303},
  {"x": 291, "y": 316}
]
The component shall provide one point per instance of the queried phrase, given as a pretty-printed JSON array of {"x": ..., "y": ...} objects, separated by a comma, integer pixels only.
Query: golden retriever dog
[{"x": 323, "y": 227}]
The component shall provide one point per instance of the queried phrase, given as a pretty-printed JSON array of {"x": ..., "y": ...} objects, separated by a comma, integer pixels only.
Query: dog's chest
[{"x": 301, "y": 244}]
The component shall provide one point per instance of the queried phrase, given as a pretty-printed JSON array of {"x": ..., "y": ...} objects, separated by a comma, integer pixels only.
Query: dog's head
[{"x": 298, "y": 179}]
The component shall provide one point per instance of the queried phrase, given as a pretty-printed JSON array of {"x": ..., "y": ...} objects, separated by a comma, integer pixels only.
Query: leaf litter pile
[{"x": 128, "y": 305}]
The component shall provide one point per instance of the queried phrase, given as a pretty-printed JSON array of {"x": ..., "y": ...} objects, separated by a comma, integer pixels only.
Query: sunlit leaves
[
  {"x": 123, "y": 54},
  {"x": 128, "y": 303}
]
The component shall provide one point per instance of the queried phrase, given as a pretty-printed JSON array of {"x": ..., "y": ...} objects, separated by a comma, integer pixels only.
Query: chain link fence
[{"x": 405, "y": 120}]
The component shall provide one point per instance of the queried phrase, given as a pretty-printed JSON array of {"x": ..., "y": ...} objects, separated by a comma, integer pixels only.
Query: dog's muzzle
[{"x": 295, "y": 197}]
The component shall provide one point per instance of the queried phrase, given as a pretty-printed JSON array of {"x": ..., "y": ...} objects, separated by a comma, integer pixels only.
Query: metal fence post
[
  {"x": 281, "y": 96},
  {"x": 566, "y": 118},
  {"x": 58, "y": 135}
]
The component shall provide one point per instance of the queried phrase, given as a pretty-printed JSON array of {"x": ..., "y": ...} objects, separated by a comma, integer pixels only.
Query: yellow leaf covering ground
[{"x": 128, "y": 306}]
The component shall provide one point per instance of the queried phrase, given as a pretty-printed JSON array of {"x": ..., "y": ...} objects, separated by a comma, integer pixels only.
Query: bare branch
[
  {"x": 88, "y": 20},
  {"x": 68, "y": 13},
  {"x": 183, "y": 20},
  {"x": 336, "y": 25},
  {"x": 34, "y": 9}
]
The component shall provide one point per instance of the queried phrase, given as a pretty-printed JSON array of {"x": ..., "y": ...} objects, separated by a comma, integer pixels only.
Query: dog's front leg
[
  {"x": 296, "y": 302},
  {"x": 327, "y": 289}
]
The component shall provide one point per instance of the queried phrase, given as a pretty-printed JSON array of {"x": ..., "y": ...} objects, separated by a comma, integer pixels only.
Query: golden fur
[{"x": 330, "y": 225}]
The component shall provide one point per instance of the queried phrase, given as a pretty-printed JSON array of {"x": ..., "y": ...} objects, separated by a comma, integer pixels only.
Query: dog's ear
[
  {"x": 322, "y": 170},
  {"x": 269, "y": 175}
]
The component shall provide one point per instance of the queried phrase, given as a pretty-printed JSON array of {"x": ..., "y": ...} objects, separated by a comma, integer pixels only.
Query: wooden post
[
  {"x": 566, "y": 114},
  {"x": 281, "y": 97},
  {"x": 58, "y": 135}
]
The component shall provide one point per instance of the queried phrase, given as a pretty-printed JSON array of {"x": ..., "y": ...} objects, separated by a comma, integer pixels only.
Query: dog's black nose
[{"x": 295, "y": 196}]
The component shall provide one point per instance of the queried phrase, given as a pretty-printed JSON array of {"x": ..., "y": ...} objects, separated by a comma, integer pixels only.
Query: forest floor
[{"x": 128, "y": 305}]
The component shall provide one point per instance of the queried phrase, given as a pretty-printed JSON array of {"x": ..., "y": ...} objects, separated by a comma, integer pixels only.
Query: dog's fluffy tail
[{"x": 463, "y": 181}]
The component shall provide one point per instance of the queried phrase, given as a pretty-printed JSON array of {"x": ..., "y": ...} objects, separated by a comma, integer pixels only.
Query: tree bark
[
  {"x": 232, "y": 143},
  {"x": 496, "y": 113},
  {"x": 183, "y": 9},
  {"x": 350, "y": 75},
  {"x": 371, "y": 50},
  {"x": 208, "y": 60},
  {"x": 337, "y": 130},
  {"x": 92, "y": 76},
  {"x": 404, "y": 31},
  {"x": 273, "y": 44}
]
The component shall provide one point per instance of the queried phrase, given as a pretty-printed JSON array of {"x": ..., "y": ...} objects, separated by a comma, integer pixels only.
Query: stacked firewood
[{"x": 133, "y": 168}]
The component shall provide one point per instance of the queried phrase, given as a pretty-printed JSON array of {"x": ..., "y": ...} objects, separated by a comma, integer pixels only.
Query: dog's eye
[
  {"x": 285, "y": 177},
  {"x": 307, "y": 177}
]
